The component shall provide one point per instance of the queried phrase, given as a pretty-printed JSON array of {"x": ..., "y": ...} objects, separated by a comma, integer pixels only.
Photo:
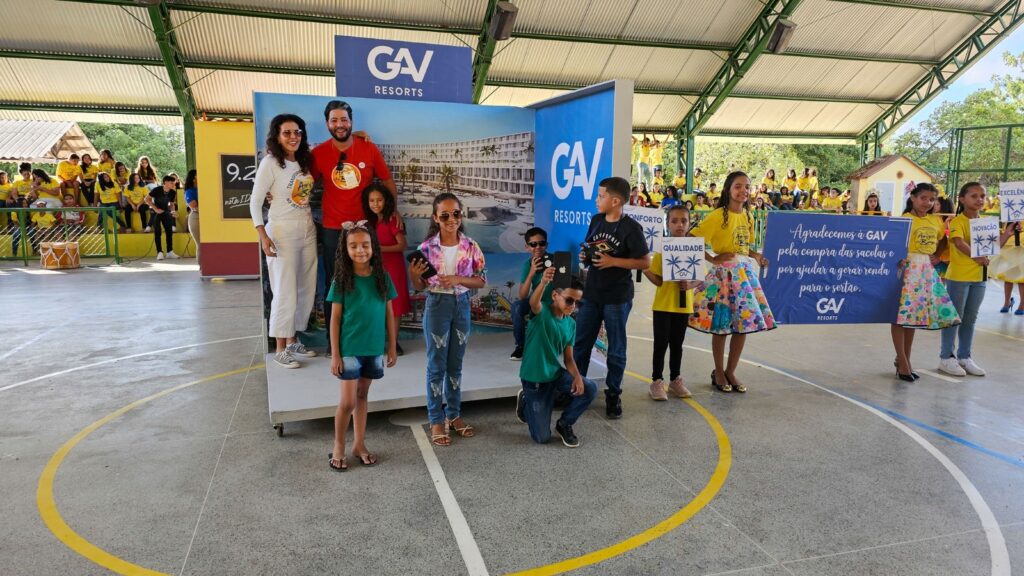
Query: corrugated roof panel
[
  {"x": 680, "y": 69},
  {"x": 546, "y": 61},
  {"x": 214, "y": 38},
  {"x": 666, "y": 20},
  {"x": 231, "y": 92},
  {"x": 824, "y": 26},
  {"x": 461, "y": 13},
  {"x": 502, "y": 96},
  {"x": 85, "y": 83},
  {"x": 791, "y": 117},
  {"x": 76, "y": 28},
  {"x": 658, "y": 112},
  {"x": 30, "y": 138},
  {"x": 89, "y": 117},
  {"x": 787, "y": 75}
]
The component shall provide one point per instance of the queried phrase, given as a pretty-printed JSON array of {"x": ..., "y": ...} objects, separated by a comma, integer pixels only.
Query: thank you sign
[
  {"x": 834, "y": 270},
  {"x": 372, "y": 68}
]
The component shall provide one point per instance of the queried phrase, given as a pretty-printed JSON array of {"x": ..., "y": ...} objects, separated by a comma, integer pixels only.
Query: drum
[{"x": 59, "y": 255}]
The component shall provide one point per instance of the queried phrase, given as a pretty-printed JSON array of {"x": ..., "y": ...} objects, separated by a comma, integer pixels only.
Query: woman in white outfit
[{"x": 289, "y": 238}]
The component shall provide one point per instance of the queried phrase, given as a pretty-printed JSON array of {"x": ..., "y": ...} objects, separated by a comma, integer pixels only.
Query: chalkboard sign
[{"x": 237, "y": 173}]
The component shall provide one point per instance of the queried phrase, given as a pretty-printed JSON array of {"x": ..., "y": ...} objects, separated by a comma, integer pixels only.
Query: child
[
  {"x": 110, "y": 197},
  {"x": 833, "y": 203},
  {"x": 446, "y": 320},
  {"x": 732, "y": 285},
  {"x": 529, "y": 279},
  {"x": 45, "y": 188},
  {"x": 363, "y": 331},
  {"x": 790, "y": 180},
  {"x": 549, "y": 343},
  {"x": 786, "y": 198},
  {"x": 871, "y": 206},
  {"x": 924, "y": 302},
  {"x": 671, "y": 197},
  {"x": 161, "y": 202},
  {"x": 135, "y": 201},
  {"x": 673, "y": 302},
  {"x": 965, "y": 281},
  {"x": 88, "y": 187},
  {"x": 68, "y": 173},
  {"x": 614, "y": 246},
  {"x": 713, "y": 194},
  {"x": 72, "y": 218},
  {"x": 1008, "y": 266},
  {"x": 42, "y": 224},
  {"x": 381, "y": 214}
]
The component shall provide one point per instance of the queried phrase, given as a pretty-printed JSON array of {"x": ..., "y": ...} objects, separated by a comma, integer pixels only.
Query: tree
[
  {"x": 447, "y": 177},
  {"x": 165, "y": 146},
  {"x": 833, "y": 163}
]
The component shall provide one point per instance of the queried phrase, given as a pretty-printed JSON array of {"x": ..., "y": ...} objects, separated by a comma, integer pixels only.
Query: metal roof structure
[
  {"x": 40, "y": 141},
  {"x": 852, "y": 71}
]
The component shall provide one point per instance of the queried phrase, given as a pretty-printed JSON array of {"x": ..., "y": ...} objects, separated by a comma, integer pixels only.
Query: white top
[
  {"x": 289, "y": 186},
  {"x": 450, "y": 262}
]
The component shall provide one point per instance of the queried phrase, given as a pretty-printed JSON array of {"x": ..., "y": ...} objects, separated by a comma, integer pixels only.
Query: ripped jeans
[{"x": 446, "y": 331}]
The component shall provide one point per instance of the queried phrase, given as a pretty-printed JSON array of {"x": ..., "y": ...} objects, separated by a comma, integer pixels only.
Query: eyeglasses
[
  {"x": 569, "y": 300},
  {"x": 446, "y": 216},
  {"x": 537, "y": 244},
  {"x": 290, "y": 133}
]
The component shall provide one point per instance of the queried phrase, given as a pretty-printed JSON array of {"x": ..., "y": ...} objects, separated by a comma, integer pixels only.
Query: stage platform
[{"x": 312, "y": 391}]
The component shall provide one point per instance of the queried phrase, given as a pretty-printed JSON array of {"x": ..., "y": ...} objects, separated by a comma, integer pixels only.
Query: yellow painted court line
[
  {"x": 702, "y": 499},
  {"x": 999, "y": 334},
  {"x": 48, "y": 506}
]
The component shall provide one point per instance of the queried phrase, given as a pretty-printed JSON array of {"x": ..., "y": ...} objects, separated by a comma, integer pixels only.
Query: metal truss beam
[
  {"x": 485, "y": 46},
  {"x": 920, "y": 6}
]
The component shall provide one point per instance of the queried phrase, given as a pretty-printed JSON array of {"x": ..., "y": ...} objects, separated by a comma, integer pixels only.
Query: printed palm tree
[
  {"x": 509, "y": 284},
  {"x": 1015, "y": 208},
  {"x": 447, "y": 177},
  {"x": 458, "y": 154},
  {"x": 691, "y": 266},
  {"x": 403, "y": 176},
  {"x": 489, "y": 151},
  {"x": 414, "y": 170},
  {"x": 651, "y": 234},
  {"x": 433, "y": 154},
  {"x": 674, "y": 262},
  {"x": 987, "y": 244}
]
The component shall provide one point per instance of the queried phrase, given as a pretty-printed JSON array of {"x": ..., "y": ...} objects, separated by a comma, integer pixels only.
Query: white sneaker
[
  {"x": 298, "y": 349},
  {"x": 172, "y": 256},
  {"x": 285, "y": 358},
  {"x": 148, "y": 229},
  {"x": 971, "y": 368},
  {"x": 951, "y": 366},
  {"x": 159, "y": 255}
]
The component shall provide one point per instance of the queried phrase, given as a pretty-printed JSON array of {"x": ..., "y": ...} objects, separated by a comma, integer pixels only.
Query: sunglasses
[
  {"x": 537, "y": 244},
  {"x": 446, "y": 216},
  {"x": 569, "y": 300},
  {"x": 341, "y": 161},
  {"x": 290, "y": 133}
]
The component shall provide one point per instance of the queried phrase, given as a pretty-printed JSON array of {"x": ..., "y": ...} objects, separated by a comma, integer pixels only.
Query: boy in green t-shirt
[
  {"x": 529, "y": 277},
  {"x": 549, "y": 337}
]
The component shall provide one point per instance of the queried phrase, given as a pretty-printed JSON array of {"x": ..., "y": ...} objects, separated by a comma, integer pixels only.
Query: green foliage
[
  {"x": 834, "y": 163},
  {"x": 165, "y": 146}
]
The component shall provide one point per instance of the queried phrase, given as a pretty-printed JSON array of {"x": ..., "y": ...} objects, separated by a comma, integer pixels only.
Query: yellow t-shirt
[
  {"x": 5, "y": 191},
  {"x": 109, "y": 195},
  {"x": 831, "y": 203},
  {"x": 769, "y": 182},
  {"x": 962, "y": 268},
  {"x": 43, "y": 219},
  {"x": 136, "y": 193},
  {"x": 696, "y": 183},
  {"x": 645, "y": 153},
  {"x": 657, "y": 152},
  {"x": 789, "y": 182},
  {"x": 51, "y": 190},
  {"x": 666, "y": 297},
  {"x": 925, "y": 233},
  {"x": 679, "y": 182},
  {"x": 107, "y": 167},
  {"x": 813, "y": 182},
  {"x": 735, "y": 237},
  {"x": 703, "y": 208},
  {"x": 89, "y": 172},
  {"x": 803, "y": 183},
  {"x": 786, "y": 198},
  {"x": 22, "y": 186},
  {"x": 67, "y": 171}
]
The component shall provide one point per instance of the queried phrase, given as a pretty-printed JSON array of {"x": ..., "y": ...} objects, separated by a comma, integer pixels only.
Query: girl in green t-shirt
[{"x": 363, "y": 334}]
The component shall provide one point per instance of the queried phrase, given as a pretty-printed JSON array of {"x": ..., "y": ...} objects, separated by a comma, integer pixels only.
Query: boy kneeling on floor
[{"x": 550, "y": 335}]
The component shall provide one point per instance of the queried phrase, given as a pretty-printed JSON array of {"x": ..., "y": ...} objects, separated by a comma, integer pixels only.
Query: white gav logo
[
  {"x": 402, "y": 63},
  {"x": 577, "y": 173},
  {"x": 832, "y": 305}
]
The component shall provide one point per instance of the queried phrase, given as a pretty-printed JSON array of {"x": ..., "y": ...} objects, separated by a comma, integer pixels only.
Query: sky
[{"x": 976, "y": 77}]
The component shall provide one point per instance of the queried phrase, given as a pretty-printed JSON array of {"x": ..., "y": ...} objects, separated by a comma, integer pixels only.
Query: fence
[{"x": 23, "y": 229}]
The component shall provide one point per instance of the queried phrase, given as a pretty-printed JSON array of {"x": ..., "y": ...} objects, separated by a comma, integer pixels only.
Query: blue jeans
[
  {"x": 539, "y": 400},
  {"x": 967, "y": 298},
  {"x": 588, "y": 323},
  {"x": 520, "y": 308},
  {"x": 446, "y": 331}
]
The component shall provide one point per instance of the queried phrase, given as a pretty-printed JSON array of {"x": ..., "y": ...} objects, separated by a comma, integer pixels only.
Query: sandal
[
  {"x": 366, "y": 459},
  {"x": 466, "y": 431},
  {"x": 342, "y": 464},
  {"x": 442, "y": 439},
  {"x": 727, "y": 387},
  {"x": 736, "y": 387}
]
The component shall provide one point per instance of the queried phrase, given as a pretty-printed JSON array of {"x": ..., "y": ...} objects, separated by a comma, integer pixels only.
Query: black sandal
[
  {"x": 343, "y": 465},
  {"x": 366, "y": 459},
  {"x": 735, "y": 387},
  {"x": 727, "y": 387}
]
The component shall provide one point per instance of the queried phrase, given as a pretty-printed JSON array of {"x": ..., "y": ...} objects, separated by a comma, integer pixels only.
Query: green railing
[{"x": 20, "y": 236}]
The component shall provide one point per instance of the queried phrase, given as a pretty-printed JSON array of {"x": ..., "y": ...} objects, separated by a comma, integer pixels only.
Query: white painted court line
[
  {"x": 941, "y": 376},
  {"x": 463, "y": 535},
  {"x": 24, "y": 344},
  {"x": 110, "y": 360}
]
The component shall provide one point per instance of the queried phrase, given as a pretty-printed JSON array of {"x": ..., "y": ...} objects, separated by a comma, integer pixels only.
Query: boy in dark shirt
[
  {"x": 161, "y": 202},
  {"x": 614, "y": 246}
]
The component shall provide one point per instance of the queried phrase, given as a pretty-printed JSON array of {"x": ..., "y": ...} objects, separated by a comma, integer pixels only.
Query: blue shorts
[{"x": 355, "y": 367}]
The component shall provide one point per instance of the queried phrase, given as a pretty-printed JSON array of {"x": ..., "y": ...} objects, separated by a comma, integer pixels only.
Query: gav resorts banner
[
  {"x": 582, "y": 138},
  {"x": 831, "y": 269},
  {"x": 372, "y": 68}
]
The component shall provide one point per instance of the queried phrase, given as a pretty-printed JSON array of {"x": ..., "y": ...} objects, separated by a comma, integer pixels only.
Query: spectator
[
  {"x": 135, "y": 201},
  {"x": 146, "y": 171},
  {"x": 110, "y": 197},
  {"x": 88, "y": 180},
  {"x": 192, "y": 203},
  {"x": 68, "y": 173},
  {"x": 164, "y": 210},
  {"x": 107, "y": 163},
  {"x": 45, "y": 188}
]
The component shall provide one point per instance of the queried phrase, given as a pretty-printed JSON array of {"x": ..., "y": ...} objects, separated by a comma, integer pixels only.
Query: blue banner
[
  {"x": 832, "y": 269},
  {"x": 371, "y": 68},
  {"x": 574, "y": 153}
]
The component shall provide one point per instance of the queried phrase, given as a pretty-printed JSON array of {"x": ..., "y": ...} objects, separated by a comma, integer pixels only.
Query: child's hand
[
  {"x": 534, "y": 265},
  {"x": 417, "y": 267},
  {"x": 392, "y": 356},
  {"x": 336, "y": 364},
  {"x": 602, "y": 261},
  {"x": 548, "y": 276},
  {"x": 577, "y": 386},
  {"x": 981, "y": 260},
  {"x": 449, "y": 281}
]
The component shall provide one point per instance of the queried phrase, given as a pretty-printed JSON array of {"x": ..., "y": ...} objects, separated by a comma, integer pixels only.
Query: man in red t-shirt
[{"x": 344, "y": 165}]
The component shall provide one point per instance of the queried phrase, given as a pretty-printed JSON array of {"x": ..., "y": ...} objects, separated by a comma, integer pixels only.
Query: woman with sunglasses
[
  {"x": 289, "y": 238},
  {"x": 446, "y": 319}
]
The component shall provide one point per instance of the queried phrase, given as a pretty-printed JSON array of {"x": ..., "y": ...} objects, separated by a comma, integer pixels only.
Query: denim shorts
[{"x": 354, "y": 367}]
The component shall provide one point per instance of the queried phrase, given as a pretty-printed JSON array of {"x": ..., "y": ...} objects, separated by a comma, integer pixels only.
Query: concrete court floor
[{"x": 197, "y": 482}]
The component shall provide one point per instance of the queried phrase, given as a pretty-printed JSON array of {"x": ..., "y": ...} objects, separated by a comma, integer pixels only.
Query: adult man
[{"x": 344, "y": 165}]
